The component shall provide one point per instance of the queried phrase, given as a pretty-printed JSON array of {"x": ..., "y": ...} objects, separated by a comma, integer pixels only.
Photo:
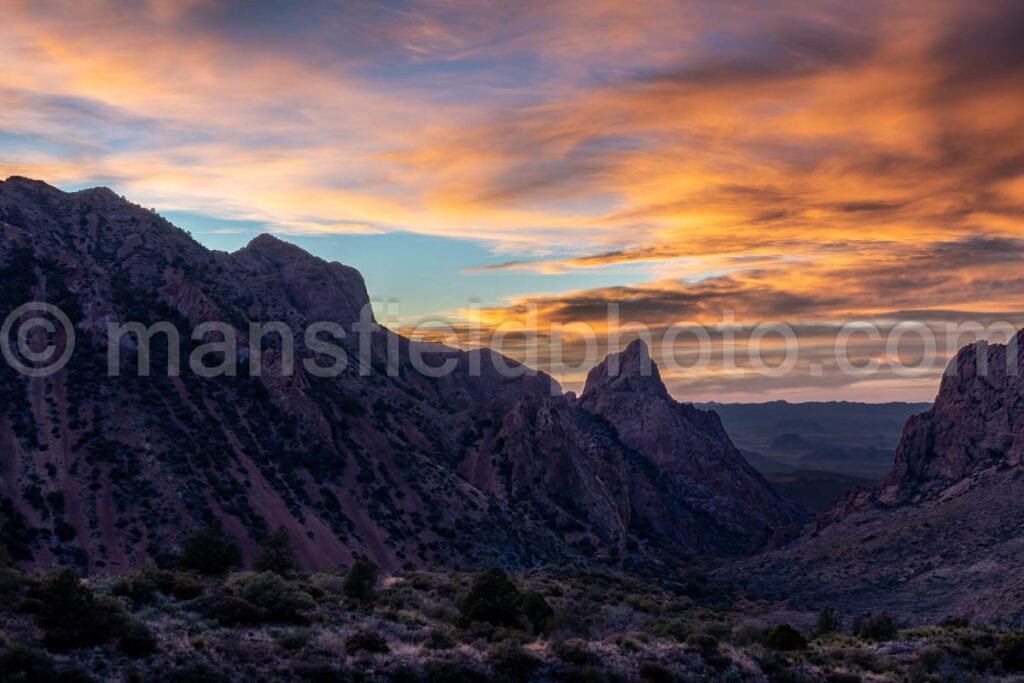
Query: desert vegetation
[{"x": 212, "y": 621}]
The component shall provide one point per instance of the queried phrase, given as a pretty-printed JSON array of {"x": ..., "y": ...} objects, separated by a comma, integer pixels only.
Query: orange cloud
[{"x": 784, "y": 161}]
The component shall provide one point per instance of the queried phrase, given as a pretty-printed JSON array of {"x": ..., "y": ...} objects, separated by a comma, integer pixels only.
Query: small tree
[
  {"x": 784, "y": 638},
  {"x": 493, "y": 599},
  {"x": 536, "y": 610},
  {"x": 361, "y": 581},
  {"x": 1010, "y": 651},
  {"x": 71, "y": 615},
  {"x": 277, "y": 554},
  {"x": 278, "y": 599},
  {"x": 877, "y": 627},
  {"x": 829, "y": 622},
  {"x": 209, "y": 551}
]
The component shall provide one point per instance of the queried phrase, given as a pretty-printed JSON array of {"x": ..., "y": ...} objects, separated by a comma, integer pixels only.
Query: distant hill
[{"x": 853, "y": 439}]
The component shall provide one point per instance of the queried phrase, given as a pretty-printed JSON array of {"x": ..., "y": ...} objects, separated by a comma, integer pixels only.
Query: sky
[{"x": 527, "y": 163}]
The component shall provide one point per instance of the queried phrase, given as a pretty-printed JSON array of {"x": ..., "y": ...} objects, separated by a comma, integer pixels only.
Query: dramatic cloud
[{"x": 793, "y": 162}]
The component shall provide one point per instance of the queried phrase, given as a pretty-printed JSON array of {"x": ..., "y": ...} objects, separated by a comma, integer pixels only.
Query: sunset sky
[{"x": 807, "y": 163}]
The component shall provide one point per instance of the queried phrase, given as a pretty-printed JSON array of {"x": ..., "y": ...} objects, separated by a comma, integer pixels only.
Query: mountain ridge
[
  {"x": 940, "y": 535},
  {"x": 468, "y": 469}
]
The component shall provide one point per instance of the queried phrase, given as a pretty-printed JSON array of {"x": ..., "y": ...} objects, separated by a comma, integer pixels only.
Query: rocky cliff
[{"x": 941, "y": 535}]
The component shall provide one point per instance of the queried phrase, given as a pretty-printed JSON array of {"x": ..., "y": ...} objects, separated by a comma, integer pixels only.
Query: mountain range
[
  {"x": 490, "y": 463},
  {"x": 476, "y": 467}
]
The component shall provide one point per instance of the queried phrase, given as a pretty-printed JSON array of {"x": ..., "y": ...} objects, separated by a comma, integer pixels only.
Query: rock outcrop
[
  {"x": 693, "y": 456},
  {"x": 941, "y": 535}
]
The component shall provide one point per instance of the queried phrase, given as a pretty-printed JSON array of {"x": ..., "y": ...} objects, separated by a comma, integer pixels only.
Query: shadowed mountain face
[
  {"x": 941, "y": 534},
  {"x": 474, "y": 467}
]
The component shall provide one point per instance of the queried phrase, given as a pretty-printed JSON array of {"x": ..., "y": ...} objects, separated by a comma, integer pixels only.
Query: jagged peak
[{"x": 630, "y": 370}]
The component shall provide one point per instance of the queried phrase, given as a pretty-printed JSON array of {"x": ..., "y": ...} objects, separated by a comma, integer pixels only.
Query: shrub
[
  {"x": 513, "y": 663},
  {"x": 954, "y": 622},
  {"x": 572, "y": 652},
  {"x": 277, "y": 554},
  {"x": 439, "y": 638},
  {"x": 748, "y": 634},
  {"x": 366, "y": 641},
  {"x": 320, "y": 669},
  {"x": 64, "y": 531},
  {"x": 361, "y": 580},
  {"x": 24, "y": 664},
  {"x": 71, "y": 616},
  {"x": 1010, "y": 651},
  {"x": 877, "y": 627},
  {"x": 295, "y": 639},
  {"x": 278, "y": 600},
  {"x": 493, "y": 599},
  {"x": 179, "y": 585},
  {"x": 210, "y": 552},
  {"x": 137, "y": 640},
  {"x": 451, "y": 671},
  {"x": 843, "y": 677},
  {"x": 829, "y": 622},
  {"x": 537, "y": 611},
  {"x": 229, "y": 610},
  {"x": 784, "y": 638},
  {"x": 704, "y": 643},
  {"x": 655, "y": 672},
  {"x": 140, "y": 587}
]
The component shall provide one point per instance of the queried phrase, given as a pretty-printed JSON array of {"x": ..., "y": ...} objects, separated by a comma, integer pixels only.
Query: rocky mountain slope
[
  {"x": 472, "y": 468},
  {"x": 941, "y": 535}
]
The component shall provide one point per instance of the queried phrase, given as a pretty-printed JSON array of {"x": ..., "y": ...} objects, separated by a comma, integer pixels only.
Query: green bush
[
  {"x": 953, "y": 622},
  {"x": 704, "y": 643},
  {"x": 210, "y": 552},
  {"x": 295, "y": 639},
  {"x": 71, "y": 615},
  {"x": 137, "y": 640},
  {"x": 179, "y": 585},
  {"x": 512, "y": 663},
  {"x": 439, "y": 638},
  {"x": 1010, "y": 651},
  {"x": 361, "y": 580},
  {"x": 877, "y": 627},
  {"x": 784, "y": 638},
  {"x": 656, "y": 673},
  {"x": 493, "y": 599},
  {"x": 537, "y": 611},
  {"x": 572, "y": 652},
  {"x": 19, "y": 664},
  {"x": 277, "y": 599},
  {"x": 451, "y": 671},
  {"x": 140, "y": 587},
  {"x": 276, "y": 554},
  {"x": 366, "y": 641},
  {"x": 829, "y": 622},
  {"x": 229, "y": 610},
  {"x": 13, "y": 585}
]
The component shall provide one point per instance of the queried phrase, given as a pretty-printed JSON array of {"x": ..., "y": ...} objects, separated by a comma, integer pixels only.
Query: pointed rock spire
[{"x": 631, "y": 370}]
